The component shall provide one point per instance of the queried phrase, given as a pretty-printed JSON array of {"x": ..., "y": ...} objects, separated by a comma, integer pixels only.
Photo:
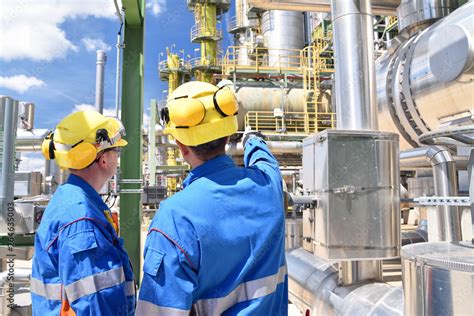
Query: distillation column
[{"x": 206, "y": 33}]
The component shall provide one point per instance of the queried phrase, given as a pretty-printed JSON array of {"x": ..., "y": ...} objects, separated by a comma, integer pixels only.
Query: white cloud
[
  {"x": 31, "y": 162},
  {"x": 94, "y": 44},
  {"x": 156, "y": 6},
  {"x": 31, "y": 29},
  {"x": 20, "y": 83}
]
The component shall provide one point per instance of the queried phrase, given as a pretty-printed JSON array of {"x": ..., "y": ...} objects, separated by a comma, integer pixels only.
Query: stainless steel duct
[
  {"x": 284, "y": 37},
  {"x": 99, "y": 80},
  {"x": 354, "y": 72},
  {"x": 314, "y": 289},
  {"x": 379, "y": 7},
  {"x": 8, "y": 125},
  {"x": 412, "y": 13},
  {"x": 429, "y": 79},
  {"x": 30, "y": 140},
  {"x": 445, "y": 184}
]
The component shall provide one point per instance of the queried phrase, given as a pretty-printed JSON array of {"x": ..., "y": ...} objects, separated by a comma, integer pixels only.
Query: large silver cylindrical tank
[
  {"x": 283, "y": 30},
  {"x": 267, "y": 98},
  {"x": 438, "y": 278},
  {"x": 429, "y": 79}
]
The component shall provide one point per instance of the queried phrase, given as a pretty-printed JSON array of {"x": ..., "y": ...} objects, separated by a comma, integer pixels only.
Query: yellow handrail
[{"x": 290, "y": 122}]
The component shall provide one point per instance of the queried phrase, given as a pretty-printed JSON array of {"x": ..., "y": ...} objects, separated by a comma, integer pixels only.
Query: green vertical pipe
[
  {"x": 131, "y": 158},
  {"x": 152, "y": 143}
]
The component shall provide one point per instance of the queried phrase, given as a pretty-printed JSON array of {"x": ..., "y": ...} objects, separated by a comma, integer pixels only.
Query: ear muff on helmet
[
  {"x": 225, "y": 102},
  {"x": 184, "y": 112},
  {"x": 81, "y": 155},
  {"x": 47, "y": 147}
]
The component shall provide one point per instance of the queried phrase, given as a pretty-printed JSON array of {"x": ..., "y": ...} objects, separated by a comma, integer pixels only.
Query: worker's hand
[{"x": 249, "y": 133}]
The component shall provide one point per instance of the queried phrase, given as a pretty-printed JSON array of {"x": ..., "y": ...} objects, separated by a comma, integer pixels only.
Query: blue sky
[{"x": 48, "y": 51}]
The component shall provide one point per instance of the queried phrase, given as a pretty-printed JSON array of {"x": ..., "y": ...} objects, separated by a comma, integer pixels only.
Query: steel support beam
[{"x": 132, "y": 114}]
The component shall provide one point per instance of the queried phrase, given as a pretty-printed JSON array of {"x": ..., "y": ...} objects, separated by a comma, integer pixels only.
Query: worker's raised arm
[
  {"x": 92, "y": 272},
  {"x": 257, "y": 154}
]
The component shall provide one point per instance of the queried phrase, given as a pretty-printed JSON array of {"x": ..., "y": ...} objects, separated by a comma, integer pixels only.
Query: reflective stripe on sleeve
[
  {"x": 129, "y": 288},
  {"x": 94, "y": 283},
  {"x": 244, "y": 292},
  {"x": 50, "y": 291},
  {"x": 146, "y": 308}
]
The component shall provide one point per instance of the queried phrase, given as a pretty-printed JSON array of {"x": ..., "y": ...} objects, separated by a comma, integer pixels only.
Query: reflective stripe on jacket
[
  {"x": 80, "y": 266},
  {"x": 217, "y": 247}
]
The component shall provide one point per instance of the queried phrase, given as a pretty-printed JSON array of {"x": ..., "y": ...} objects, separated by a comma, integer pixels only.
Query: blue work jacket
[
  {"x": 80, "y": 266},
  {"x": 217, "y": 247}
]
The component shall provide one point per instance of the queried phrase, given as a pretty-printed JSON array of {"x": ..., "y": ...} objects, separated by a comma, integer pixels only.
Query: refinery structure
[{"x": 368, "y": 105}]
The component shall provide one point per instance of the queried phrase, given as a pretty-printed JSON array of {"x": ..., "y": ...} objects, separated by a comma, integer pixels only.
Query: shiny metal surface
[
  {"x": 8, "y": 121},
  {"x": 379, "y": 7},
  {"x": 266, "y": 99},
  {"x": 355, "y": 89},
  {"x": 354, "y": 174},
  {"x": 412, "y": 13},
  {"x": 355, "y": 272},
  {"x": 293, "y": 233},
  {"x": 283, "y": 30},
  {"x": 99, "y": 80},
  {"x": 26, "y": 115},
  {"x": 30, "y": 140},
  {"x": 445, "y": 184},
  {"x": 313, "y": 287},
  {"x": 438, "y": 278},
  {"x": 418, "y": 89}
]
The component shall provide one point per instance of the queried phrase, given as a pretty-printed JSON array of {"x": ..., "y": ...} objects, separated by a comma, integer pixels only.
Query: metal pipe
[
  {"x": 30, "y": 140},
  {"x": 152, "y": 144},
  {"x": 417, "y": 93},
  {"x": 314, "y": 289},
  {"x": 379, "y": 7},
  {"x": 117, "y": 12},
  {"x": 471, "y": 190},
  {"x": 445, "y": 184},
  {"x": 117, "y": 73},
  {"x": 8, "y": 122},
  {"x": 277, "y": 147},
  {"x": 355, "y": 70},
  {"x": 99, "y": 80},
  {"x": 420, "y": 162},
  {"x": 354, "y": 272}
]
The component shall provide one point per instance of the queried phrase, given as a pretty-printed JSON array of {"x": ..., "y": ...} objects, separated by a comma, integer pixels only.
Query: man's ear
[{"x": 183, "y": 148}]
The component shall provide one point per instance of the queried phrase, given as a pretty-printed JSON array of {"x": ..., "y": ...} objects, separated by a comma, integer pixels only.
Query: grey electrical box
[{"x": 355, "y": 177}]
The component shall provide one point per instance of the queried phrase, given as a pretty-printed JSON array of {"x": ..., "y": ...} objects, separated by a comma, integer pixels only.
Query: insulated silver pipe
[
  {"x": 117, "y": 75},
  {"x": 30, "y": 140},
  {"x": 445, "y": 184},
  {"x": 314, "y": 289},
  {"x": 8, "y": 121},
  {"x": 379, "y": 7},
  {"x": 99, "y": 80},
  {"x": 356, "y": 96}
]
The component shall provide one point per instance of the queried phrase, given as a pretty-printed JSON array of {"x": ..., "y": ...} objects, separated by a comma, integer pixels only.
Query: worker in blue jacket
[
  {"x": 80, "y": 266},
  {"x": 217, "y": 246}
]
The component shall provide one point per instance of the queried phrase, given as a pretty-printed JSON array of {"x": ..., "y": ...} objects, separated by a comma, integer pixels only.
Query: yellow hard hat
[
  {"x": 199, "y": 112},
  {"x": 80, "y": 136}
]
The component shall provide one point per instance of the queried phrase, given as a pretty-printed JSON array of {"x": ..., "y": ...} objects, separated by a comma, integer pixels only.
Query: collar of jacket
[
  {"x": 88, "y": 189},
  {"x": 208, "y": 167}
]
